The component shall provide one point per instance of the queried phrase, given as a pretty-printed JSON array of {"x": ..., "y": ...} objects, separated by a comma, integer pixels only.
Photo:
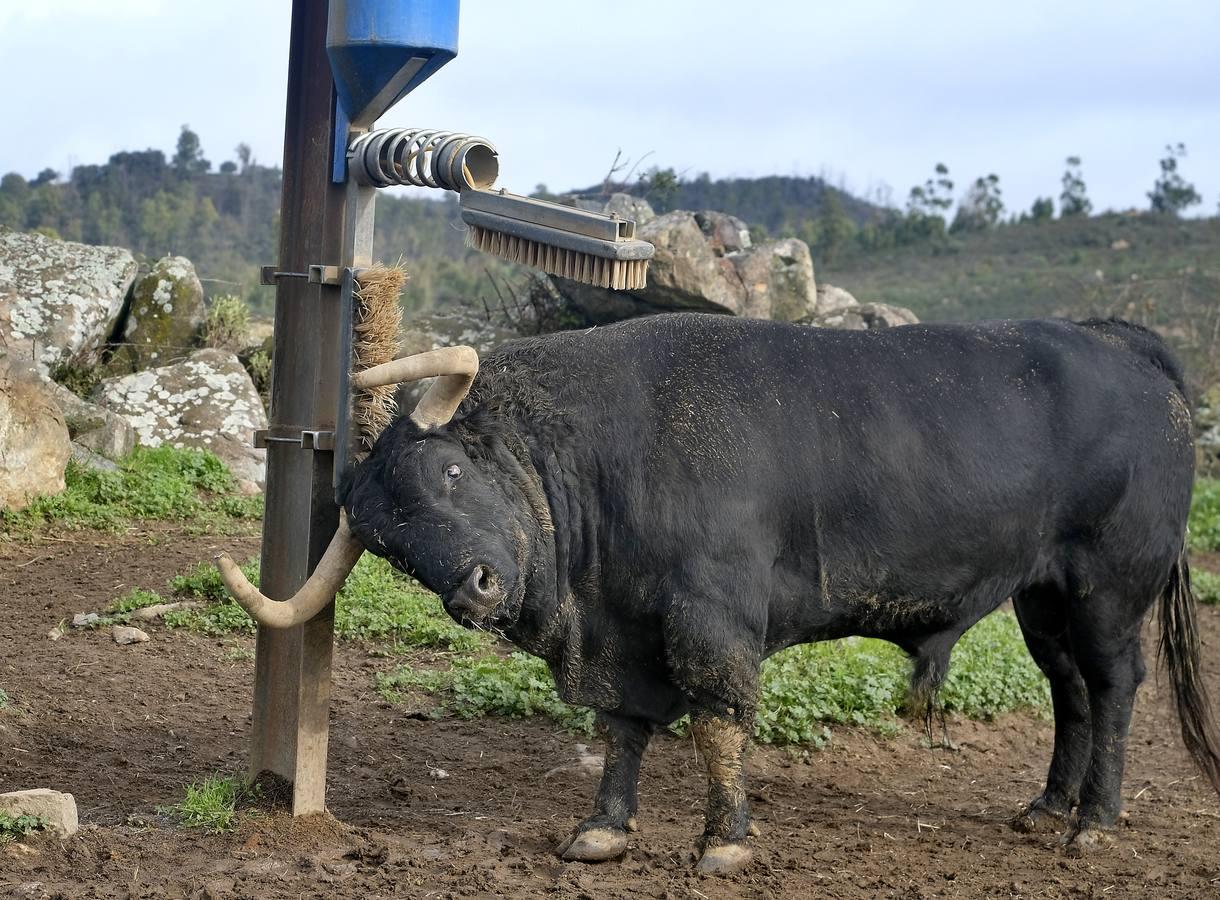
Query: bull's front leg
[
  {"x": 722, "y": 743},
  {"x": 603, "y": 835}
]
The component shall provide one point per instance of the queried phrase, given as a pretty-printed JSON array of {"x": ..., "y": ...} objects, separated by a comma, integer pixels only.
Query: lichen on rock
[
  {"x": 206, "y": 401},
  {"x": 59, "y": 300},
  {"x": 165, "y": 314}
]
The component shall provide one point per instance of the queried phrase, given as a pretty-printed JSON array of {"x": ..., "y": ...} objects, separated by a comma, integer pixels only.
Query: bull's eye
[{"x": 453, "y": 471}]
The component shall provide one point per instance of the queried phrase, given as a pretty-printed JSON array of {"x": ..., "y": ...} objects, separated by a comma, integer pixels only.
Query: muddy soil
[{"x": 126, "y": 728}]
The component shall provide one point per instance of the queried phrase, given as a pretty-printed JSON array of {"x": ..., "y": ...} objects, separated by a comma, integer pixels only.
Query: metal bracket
[
  {"x": 317, "y": 274},
  {"x": 305, "y": 438},
  {"x": 325, "y": 275}
]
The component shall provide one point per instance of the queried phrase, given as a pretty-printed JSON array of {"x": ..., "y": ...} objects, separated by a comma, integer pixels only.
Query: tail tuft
[{"x": 1179, "y": 649}]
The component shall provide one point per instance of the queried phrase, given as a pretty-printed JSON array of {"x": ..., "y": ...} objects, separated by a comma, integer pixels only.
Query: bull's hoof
[
  {"x": 1037, "y": 818},
  {"x": 594, "y": 845},
  {"x": 1080, "y": 841},
  {"x": 724, "y": 859}
]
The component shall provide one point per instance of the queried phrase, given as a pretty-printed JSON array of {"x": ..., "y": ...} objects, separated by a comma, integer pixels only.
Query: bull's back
[{"x": 934, "y": 456}]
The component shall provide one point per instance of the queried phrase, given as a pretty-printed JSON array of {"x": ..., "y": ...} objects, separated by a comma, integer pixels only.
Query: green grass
[
  {"x": 1204, "y": 522},
  {"x": 856, "y": 681},
  {"x": 14, "y": 828},
  {"x": 210, "y": 804},
  {"x": 1206, "y": 586},
  {"x": 4, "y": 701},
  {"x": 152, "y": 483},
  {"x": 516, "y": 685}
]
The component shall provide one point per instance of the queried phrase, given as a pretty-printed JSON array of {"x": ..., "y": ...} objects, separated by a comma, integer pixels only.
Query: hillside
[{"x": 1157, "y": 270}]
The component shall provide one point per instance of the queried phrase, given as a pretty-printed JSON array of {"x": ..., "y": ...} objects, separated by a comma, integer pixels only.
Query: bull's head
[{"x": 455, "y": 368}]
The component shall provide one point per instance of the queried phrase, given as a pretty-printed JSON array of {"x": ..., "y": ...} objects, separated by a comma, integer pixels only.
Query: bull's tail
[{"x": 1179, "y": 649}]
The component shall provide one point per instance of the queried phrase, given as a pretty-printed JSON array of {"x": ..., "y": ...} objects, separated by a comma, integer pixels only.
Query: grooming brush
[{"x": 592, "y": 248}]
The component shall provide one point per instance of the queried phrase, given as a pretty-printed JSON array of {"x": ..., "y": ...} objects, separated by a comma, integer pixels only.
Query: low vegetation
[
  {"x": 1204, "y": 523},
  {"x": 151, "y": 483},
  {"x": 14, "y": 828},
  {"x": 210, "y": 804},
  {"x": 856, "y": 681}
]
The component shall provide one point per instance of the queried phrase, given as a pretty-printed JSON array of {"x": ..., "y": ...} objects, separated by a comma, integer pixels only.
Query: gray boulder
[
  {"x": 627, "y": 206},
  {"x": 60, "y": 301},
  {"x": 57, "y": 809},
  {"x": 94, "y": 427},
  {"x": 706, "y": 262},
  {"x": 685, "y": 274},
  {"x": 86, "y": 458},
  {"x": 863, "y": 316},
  {"x": 457, "y": 326},
  {"x": 778, "y": 280},
  {"x": 831, "y": 297},
  {"x": 725, "y": 233},
  {"x": 34, "y": 442},
  {"x": 165, "y": 314},
  {"x": 206, "y": 401}
]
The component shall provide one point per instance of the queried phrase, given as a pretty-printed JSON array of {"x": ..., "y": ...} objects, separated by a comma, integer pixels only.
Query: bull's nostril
[{"x": 484, "y": 578}]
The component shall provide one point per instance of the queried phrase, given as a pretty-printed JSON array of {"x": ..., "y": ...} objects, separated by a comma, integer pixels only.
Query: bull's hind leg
[
  {"x": 1043, "y": 614},
  {"x": 1105, "y": 632},
  {"x": 604, "y": 834}
]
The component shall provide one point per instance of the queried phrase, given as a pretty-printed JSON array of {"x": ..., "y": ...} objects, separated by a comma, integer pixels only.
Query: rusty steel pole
[{"x": 293, "y": 666}]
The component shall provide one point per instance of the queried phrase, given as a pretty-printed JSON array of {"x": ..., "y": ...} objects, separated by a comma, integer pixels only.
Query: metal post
[{"x": 293, "y": 667}]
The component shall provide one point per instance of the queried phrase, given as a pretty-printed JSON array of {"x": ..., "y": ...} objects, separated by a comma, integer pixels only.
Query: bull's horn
[
  {"x": 455, "y": 368},
  {"x": 318, "y": 590}
]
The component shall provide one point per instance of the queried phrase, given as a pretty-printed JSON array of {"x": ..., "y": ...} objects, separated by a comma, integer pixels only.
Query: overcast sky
[{"x": 870, "y": 92}]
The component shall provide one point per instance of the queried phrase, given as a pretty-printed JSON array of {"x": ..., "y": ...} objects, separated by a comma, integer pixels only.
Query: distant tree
[
  {"x": 659, "y": 186},
  {"x": 46, "y": 176},
  {"x": 834, "y": 229},
  {"x": 981, "y": 207},
  {"x": 927, "y": 206},
  {"x": 188, "y": 159},
  {"x": 244, "y": 155},
  {"x": 1043, "y": 210},
  {"x": 935, "y": 196},
  {"x": 14, "y": 190},
  {"x": 1074, "y": 199},
  {"x": 1172, "y": 193},
  {"x": 228, "y": 167}
]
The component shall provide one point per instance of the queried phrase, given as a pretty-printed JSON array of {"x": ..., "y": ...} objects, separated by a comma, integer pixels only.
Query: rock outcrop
[
  {"x": 165, "y": 314},
  {"x": 34, "y": 442},
  {"x": 206, "y": 401},
  {"x": 456, "y": 326},
  {"x": 94, "y": 427},
  {"x": 778, "y": 280},
  {"x": 831, "y": 298},
  {"x": 60, "y": 301},
  {"x": 863, "y": 316},
  {"x": 704, "y": 262}
]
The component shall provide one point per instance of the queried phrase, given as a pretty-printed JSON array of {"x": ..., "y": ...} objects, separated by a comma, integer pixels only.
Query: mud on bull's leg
[
  {"x": 603, "y": 835},
  {"x": 722, "y": 743}
]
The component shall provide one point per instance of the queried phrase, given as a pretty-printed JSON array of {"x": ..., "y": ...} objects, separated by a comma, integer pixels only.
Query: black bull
[{"x": 656, "y": 506}]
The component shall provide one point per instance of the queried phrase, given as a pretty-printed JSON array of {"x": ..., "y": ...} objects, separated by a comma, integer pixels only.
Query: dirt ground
[{"x": 126, "y": 728}]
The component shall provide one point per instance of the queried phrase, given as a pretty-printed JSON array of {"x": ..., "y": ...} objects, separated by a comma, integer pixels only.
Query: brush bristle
[
  {"x": 616, "y": 274},
  {"x": 375, "y": 329}
]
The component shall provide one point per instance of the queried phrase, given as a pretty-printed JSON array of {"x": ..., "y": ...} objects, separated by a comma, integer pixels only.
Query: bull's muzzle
[{"x": 477, "y": 598}]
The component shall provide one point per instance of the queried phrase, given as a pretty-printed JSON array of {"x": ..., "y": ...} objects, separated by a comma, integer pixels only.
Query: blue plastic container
[{"x": 381, "y": 50}]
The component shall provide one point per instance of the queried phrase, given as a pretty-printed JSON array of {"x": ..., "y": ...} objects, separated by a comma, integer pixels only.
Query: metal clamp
[
  {"x": 317, "y": 274},
  {"x": 305, "y": 438}
]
